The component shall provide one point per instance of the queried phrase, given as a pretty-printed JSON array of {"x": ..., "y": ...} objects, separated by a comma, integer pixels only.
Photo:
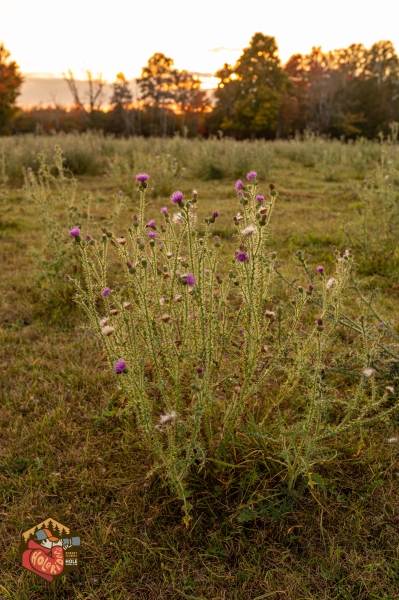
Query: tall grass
[{"x": 212, "y": 159}]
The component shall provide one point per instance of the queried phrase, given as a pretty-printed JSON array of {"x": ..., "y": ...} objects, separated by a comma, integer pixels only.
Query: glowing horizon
[{"x": 123, "y": 38}]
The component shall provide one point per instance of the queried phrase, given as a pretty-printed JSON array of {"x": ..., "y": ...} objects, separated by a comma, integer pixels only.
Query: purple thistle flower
[
  {"x": 151, "y": 224},
  {"x": 106, "y": 292},
  {"x": 119, "y": 366},
  {"x": 320, "y": 321},
  {"x": 310, "y": 287},
  {"x": 152, "y": 234},
  {"x": 177, "y": 197},
  {"x": 129, "y": 264},
  {"x": 242, "y": 257},
  {"x": 164, "y": 210},
  {"x": 260, "y": 198},
  {"x": 215, "y": 214},
  {"x": 88, "y": 238},
  {"x": 142, "y": 177},
  {"x": 135, "y": 217},
  {"x": 251, "y": 175},
  {"x": 199, "y": 369},
  {"x": 320, "y": 269},
  {"x": 29, "y": 169},
  {"x": 120, "y": 192},
  {"x": 239, "y": 185},
  {"x": 74, "y": 232},
  {"x": 190, "y": 280},
  {"x": 381, "y": 326}
]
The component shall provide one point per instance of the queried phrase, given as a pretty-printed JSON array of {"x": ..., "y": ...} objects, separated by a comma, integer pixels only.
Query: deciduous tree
[
  {"x": 249, "y": 96},
  {"x": 10, "y": 85}
]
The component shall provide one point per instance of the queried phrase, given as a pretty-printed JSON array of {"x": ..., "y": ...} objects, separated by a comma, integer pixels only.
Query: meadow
[{"x": 275, "y": 511}]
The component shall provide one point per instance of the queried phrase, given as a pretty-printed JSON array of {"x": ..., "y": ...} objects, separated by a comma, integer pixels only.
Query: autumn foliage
[{"x": 10, "y": 83}]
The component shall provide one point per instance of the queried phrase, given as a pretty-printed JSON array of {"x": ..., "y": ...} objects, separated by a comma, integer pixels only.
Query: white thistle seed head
[
  {"x": 167, "y": 418},
  {"x": 107, "y": 330},
  {"x": 177, "y": 218},
  {"x": 247, "y": 231},
  {"x": 332, "y": 282},
  {"x": 369, "y": 372}
]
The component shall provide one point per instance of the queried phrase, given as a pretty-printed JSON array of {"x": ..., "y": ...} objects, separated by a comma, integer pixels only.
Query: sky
[{"x": 47, "y": 38}]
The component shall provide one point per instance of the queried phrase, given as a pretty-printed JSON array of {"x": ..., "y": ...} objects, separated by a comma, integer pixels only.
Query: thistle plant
[
  {"x": 3, "y": 176},
  {"x": 374, "y": 230},
  {"x": 212, "y": 361},
  {"x": 53, "y": 191}
]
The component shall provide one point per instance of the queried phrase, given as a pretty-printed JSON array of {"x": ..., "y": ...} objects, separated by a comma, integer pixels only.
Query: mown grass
[{"x": 67, "y": 451}]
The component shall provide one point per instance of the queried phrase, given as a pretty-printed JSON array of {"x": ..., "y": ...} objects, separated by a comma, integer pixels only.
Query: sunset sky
[{"x": 47, "y": 38}]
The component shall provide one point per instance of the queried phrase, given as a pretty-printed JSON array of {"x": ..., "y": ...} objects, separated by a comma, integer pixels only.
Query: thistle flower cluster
[{"x": 200, "y": 346}]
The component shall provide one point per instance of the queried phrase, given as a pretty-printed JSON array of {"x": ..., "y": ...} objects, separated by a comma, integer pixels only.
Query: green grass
[{"x": 67, "y": 452}]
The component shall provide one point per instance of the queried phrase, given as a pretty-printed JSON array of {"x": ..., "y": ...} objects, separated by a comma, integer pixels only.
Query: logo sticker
[{"x": 50, "y": 549}]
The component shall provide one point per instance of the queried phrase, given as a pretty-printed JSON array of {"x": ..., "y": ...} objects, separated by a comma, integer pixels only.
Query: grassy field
[{"x": 67, "y": 451}]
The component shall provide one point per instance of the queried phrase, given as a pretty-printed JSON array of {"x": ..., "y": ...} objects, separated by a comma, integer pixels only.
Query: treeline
[
  {"x": 349, "y": 92},
  {"x": 168, "y": 100},
  {"x": 346, "y": 93}
]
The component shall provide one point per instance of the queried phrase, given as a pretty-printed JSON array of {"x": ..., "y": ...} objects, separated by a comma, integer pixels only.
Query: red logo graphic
[{"x": 50, "y": 549}]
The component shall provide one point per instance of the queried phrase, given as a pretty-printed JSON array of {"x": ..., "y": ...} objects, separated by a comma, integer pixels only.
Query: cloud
[
  {"x": 198, "y": 74},
  {"x": 223, "y": 49}
]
